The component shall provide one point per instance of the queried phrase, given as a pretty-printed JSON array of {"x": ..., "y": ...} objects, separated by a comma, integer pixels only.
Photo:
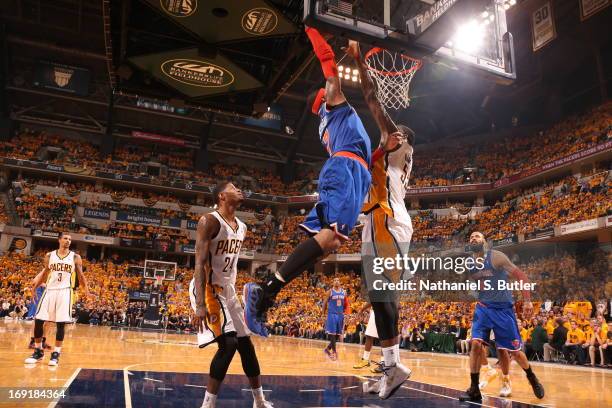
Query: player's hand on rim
[{"x": 353, "y": 49}]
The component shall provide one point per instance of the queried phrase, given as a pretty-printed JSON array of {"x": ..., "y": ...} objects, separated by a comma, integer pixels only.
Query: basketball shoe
[
  {"x": 262, "y": 404},
  {"x": 35, "y": 357},
  {"x": 395, "y": 376},
  {"x": 536, "y": 386},
  {"x": 254, "y": 310},
  {"x": 506, "y": 389},
  {"x": 54, "y": 360},
  {"x": 373, "y": 388},
  {"x": 490, "y": 375},
  {"x": 471, "y": 394},
  {"x": 362, "y": 363}
]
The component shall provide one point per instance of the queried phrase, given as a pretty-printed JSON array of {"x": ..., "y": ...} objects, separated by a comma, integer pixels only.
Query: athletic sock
[
  {"x": 396, "y": 348},
  {"x": 475, "y": 378},
  {"x": 209, "y": 398},
  {"x": 389, "y": 356},
  {"x": 258, "y": 393},
  {"x": 529, "y": 372},
  {"x": 58, "y": 349},
  {"x": 366, "y": 355}
]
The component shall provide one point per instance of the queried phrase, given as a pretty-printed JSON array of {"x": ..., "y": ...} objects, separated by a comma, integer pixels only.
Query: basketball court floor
[{"x": 101, "y": 367}]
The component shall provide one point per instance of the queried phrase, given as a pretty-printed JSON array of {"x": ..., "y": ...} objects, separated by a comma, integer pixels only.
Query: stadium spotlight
[{"x": 469, "y": 37}]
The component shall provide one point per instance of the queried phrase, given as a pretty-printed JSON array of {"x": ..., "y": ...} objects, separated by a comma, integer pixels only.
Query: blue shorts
[
  {"x": 501, "y": 321},
  {"x": 343, "y": 185},
  {"x": 334, "y": 323}
]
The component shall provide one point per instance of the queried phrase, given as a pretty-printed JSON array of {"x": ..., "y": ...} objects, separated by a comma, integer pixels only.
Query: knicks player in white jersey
[
  {"x": 387, "y": 228},
  {"x": 62, "y": 269},
  {"x": 219, "y": 315}
]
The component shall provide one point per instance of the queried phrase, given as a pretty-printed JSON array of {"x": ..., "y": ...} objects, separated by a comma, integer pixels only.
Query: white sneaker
[
  {"x": 373, "y": 388},
  {"x": 506, "y": 389},
  {"x": 395, "y": 377},
  {"x": 490, "y": 375},
  {"x": 262, "y": 404}
]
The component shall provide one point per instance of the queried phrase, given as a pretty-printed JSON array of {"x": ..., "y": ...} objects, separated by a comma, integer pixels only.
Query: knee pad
[
  {"x": 59, "y": 335},
  {"x": 250, "y": 364},
  {"x": 38, "y": 328},
  {"x": 223, "y": 357}
]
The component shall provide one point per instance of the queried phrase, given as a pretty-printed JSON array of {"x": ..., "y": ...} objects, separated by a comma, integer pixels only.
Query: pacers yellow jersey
[{"x": 390, "y": 177}]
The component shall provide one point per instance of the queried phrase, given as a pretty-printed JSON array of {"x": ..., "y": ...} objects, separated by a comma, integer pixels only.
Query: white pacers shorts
[
  {"x": 225, "y": 313},
  {"x": 55, "y": 305},
  {"x": 371, "y": 330}
]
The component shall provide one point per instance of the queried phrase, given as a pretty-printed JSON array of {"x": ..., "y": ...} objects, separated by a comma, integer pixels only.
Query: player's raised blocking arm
[{"x": 368, "y": 88}]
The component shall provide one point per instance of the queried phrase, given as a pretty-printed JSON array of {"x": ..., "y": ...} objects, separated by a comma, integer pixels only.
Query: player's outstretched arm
[
  {"x": 368, "y": 88},
  {"x": 78, "y": 264},
  {"x": 208, "y": 227},
  {"x": 327, "y": 58}
]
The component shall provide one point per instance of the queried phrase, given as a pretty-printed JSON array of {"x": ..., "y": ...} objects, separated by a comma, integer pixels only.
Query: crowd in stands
[
  {"x": 581, "y": 310},
  {"x": 512, "y": 154},
  {"x": 519, "y": 212},
  {"x": 469, "y": 162},
  {"x": 3, "y": 215}
]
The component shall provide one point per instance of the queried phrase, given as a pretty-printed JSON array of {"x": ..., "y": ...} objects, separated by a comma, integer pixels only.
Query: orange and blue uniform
[{"x": 345, "y": 178}]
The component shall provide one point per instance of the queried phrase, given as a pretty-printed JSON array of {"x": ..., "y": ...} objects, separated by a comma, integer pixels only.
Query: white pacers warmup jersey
[
  {"x": 224, "y": 251},
  {"x": 225, "y": 312},
  {"x": 55, "y": 304},
  {"x": 61, "y": 271}
]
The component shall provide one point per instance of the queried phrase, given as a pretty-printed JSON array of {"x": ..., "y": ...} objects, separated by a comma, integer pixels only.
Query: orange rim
[{"x": 415, "y": 66}]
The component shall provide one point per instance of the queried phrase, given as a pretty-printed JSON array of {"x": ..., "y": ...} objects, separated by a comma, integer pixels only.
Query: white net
[{"x": 392, "y": 73}]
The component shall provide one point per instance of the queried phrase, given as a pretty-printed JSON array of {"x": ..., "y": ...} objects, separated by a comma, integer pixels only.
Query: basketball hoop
[
  {"x": 158, "y": 281},
  {"x": 392, "y": 72}
]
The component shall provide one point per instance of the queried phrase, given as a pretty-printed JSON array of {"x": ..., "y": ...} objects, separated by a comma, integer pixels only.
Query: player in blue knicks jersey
[
  {"x": 335, "y": 305},
  {"x": 495, "y": 311},
  {"x": 343, "y": 184}
]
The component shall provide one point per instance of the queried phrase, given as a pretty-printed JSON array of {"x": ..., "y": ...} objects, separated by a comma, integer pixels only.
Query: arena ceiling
[{"x": 124, "y": 45}]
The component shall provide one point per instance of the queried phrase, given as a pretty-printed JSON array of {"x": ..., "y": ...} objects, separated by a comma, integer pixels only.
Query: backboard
[{"x": 467, "y": 33}]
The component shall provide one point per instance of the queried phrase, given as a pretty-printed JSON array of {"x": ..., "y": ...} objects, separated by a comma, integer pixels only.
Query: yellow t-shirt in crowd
[
  {"x": 524, "y": 334},
  {"x": 550, "y": 327},
  {"x": 575, "y": 336}
]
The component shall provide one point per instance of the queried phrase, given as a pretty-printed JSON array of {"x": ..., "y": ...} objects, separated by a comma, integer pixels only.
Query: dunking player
[
  {"x": 343, "y": 184},
  {"x": 335, "y": 306},
  {"x": 494, "y": 311},
  {"x": 62, "y": 268},
  {"x": 387, "y": 228},
  {"x": 219, "y": 315}
]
